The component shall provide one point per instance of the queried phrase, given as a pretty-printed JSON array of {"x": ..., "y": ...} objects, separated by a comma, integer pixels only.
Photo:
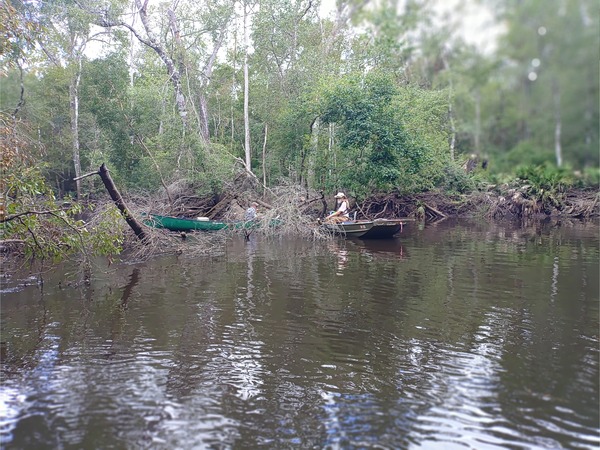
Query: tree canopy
[{"x": 369, "y": 97}]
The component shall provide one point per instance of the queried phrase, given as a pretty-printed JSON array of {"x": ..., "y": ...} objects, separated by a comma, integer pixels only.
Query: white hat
[{"x": 340, "y": 195}]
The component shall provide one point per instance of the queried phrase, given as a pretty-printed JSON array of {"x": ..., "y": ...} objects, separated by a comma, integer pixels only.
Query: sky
[
  {"x": 475, "y": 22},
  {"x": 479, "y": 26}
]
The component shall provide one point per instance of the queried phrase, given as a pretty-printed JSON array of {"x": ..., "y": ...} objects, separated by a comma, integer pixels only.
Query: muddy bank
[
  {"x": 502, "y": 203},
  {"x": 298, "y": 209},
  {"x": 509, "y": 203}
]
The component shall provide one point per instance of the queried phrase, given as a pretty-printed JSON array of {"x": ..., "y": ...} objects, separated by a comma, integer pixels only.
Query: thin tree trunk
[
  {"x": 452, "y": 130},
  {"x": 557, "y": 123},
  {"x": 132, "y": 48},
  {"x": 526, "y": 108},
  {"x": 477, "y": 122},
  {"x": 330, "y": 148},
  {"x": 153, "y": 43},
  {"x": 246, "y": 82},
  {"x": 264, "y": 159},
  {"x": 233, "y": 84},
  {"x": 204, "y": 129},
  {"x": 314, "y": 148},
  {"x": 21, "y": 101},
  {"x": 74, "y": 107},
  {"x": 207, "y": 73},
  {"x": 450, "y": 112}
]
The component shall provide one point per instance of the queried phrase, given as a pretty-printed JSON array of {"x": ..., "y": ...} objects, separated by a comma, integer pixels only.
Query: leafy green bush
[
  {"x": 390, "y": 137},
  {"x": 49, "y": 228},
  {"x": 547, "y": 183},
  {"x": 546, "y": 178},
  {"x": 456, "y": 180},
  {"x": 31, "y": 216},
  {"x": 591, "y": 177}
]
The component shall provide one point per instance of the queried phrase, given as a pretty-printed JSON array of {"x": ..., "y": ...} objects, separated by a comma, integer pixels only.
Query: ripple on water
[{"x": 444, "y": 348}]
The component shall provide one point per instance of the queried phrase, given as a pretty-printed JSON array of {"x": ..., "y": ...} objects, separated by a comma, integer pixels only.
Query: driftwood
[
  {"x": 224, "y": 203},
  {"x": 263, "y": 204},
  {"x": 590, "y": 209},
  {"x": 118, "y": 199},
  {"x": 435, "y": 212}
]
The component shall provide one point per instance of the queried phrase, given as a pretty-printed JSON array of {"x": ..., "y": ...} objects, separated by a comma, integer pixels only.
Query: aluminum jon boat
[{"x": 366, "y": 229}]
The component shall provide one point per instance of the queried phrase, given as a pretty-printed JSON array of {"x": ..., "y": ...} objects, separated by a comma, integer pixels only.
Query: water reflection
[
  {"x": 381, "y": 247},
  {"x": 444, "y": 338},
  {"x": 338, "y": 248},
  {"x": 134, "y": 279}
]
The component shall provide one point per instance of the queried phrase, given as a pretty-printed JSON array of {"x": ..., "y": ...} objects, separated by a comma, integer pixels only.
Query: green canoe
[{"x": 179, "y": 224}]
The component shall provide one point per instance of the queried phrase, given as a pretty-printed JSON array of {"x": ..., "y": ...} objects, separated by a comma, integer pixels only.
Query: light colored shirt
[
  {"x": 250, "y": 213},
  {"x": 343, "y": 208}
]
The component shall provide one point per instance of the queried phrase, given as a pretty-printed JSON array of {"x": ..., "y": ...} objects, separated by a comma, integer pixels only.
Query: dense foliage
[
  {"x": 367, "y": 98},
  {"x": 390, "y": 137},
  {"x": 34, "y": 221}
]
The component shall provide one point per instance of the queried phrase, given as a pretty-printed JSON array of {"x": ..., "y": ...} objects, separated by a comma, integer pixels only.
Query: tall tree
[
  {"x": 68, "y": 33},
  {"x": 247, "y": 150},
  {"x": 192, "y": 41},
  {"x": 557, "y": 73}
]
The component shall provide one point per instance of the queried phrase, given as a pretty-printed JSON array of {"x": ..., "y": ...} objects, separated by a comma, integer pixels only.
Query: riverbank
[
  {"x": 297, "y": 209},
  {"x": 498, "y": 203},
  {"x": 519, "y": 199}
]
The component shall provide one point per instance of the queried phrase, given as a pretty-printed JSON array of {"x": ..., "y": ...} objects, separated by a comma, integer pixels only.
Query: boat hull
[
  {"x": 179, "y": 224},
  {"x": 365, "y": 229},
  {"x": 383, "y": 229},
  {"x": 349, "y": 229}
]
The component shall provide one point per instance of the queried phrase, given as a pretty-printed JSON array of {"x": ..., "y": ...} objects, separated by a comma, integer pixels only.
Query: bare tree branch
[
  {"x": 31, "y": 213},
  {"x": 86, "y": 175}
]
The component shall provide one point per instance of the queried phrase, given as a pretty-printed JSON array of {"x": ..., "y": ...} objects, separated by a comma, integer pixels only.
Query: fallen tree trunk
[
  {"x": 435, "y": 212},
  {"x": 223, "y": 203},
  {"x": 118, "y": 199}
]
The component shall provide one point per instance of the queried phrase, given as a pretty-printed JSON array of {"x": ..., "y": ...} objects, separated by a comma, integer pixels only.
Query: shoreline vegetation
[
  {"x": 99, "y": 226},
  {"x": 199, "y": 110}
]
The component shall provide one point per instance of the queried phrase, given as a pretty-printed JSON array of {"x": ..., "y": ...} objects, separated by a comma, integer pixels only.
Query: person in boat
[
  {"x": 251, "y": 212},
  {"x": 342, "y": 211}
]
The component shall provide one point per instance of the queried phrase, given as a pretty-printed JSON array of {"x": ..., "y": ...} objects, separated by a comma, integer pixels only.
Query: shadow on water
[{"x": 134, "y": 279}]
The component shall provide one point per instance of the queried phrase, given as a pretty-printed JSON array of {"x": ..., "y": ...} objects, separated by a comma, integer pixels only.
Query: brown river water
[{"x": 456, "y": 335}]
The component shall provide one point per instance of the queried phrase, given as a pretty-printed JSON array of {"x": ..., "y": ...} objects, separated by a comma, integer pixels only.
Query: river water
[{"x": 458, "y": 335}]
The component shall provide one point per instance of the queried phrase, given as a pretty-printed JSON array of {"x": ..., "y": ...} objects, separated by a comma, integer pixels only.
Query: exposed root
[
  {"x": 497, "y": 203},
  {"x": 292, "y": 209}
]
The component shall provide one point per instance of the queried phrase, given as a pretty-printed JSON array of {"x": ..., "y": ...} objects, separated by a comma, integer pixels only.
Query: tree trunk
[
  {"x": 116, "y": 196},
  {"x": 74, "y": 108},
  {"x": 314, "y": 148},
  {"x": 477, "y": 136},
  {"x": 264, "y": 162},
  {"x": 174, "y": 74},
  {"x": 557, "y": 123},
  {"x": 233, "y": 84},
  {"x": 330, "y": 149},
  {"x": 207, "y": 73},
  {"x": 246, "y": 114},
  {"x": 203, "y": 118},
  {"x": 450, "y": 112}
]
